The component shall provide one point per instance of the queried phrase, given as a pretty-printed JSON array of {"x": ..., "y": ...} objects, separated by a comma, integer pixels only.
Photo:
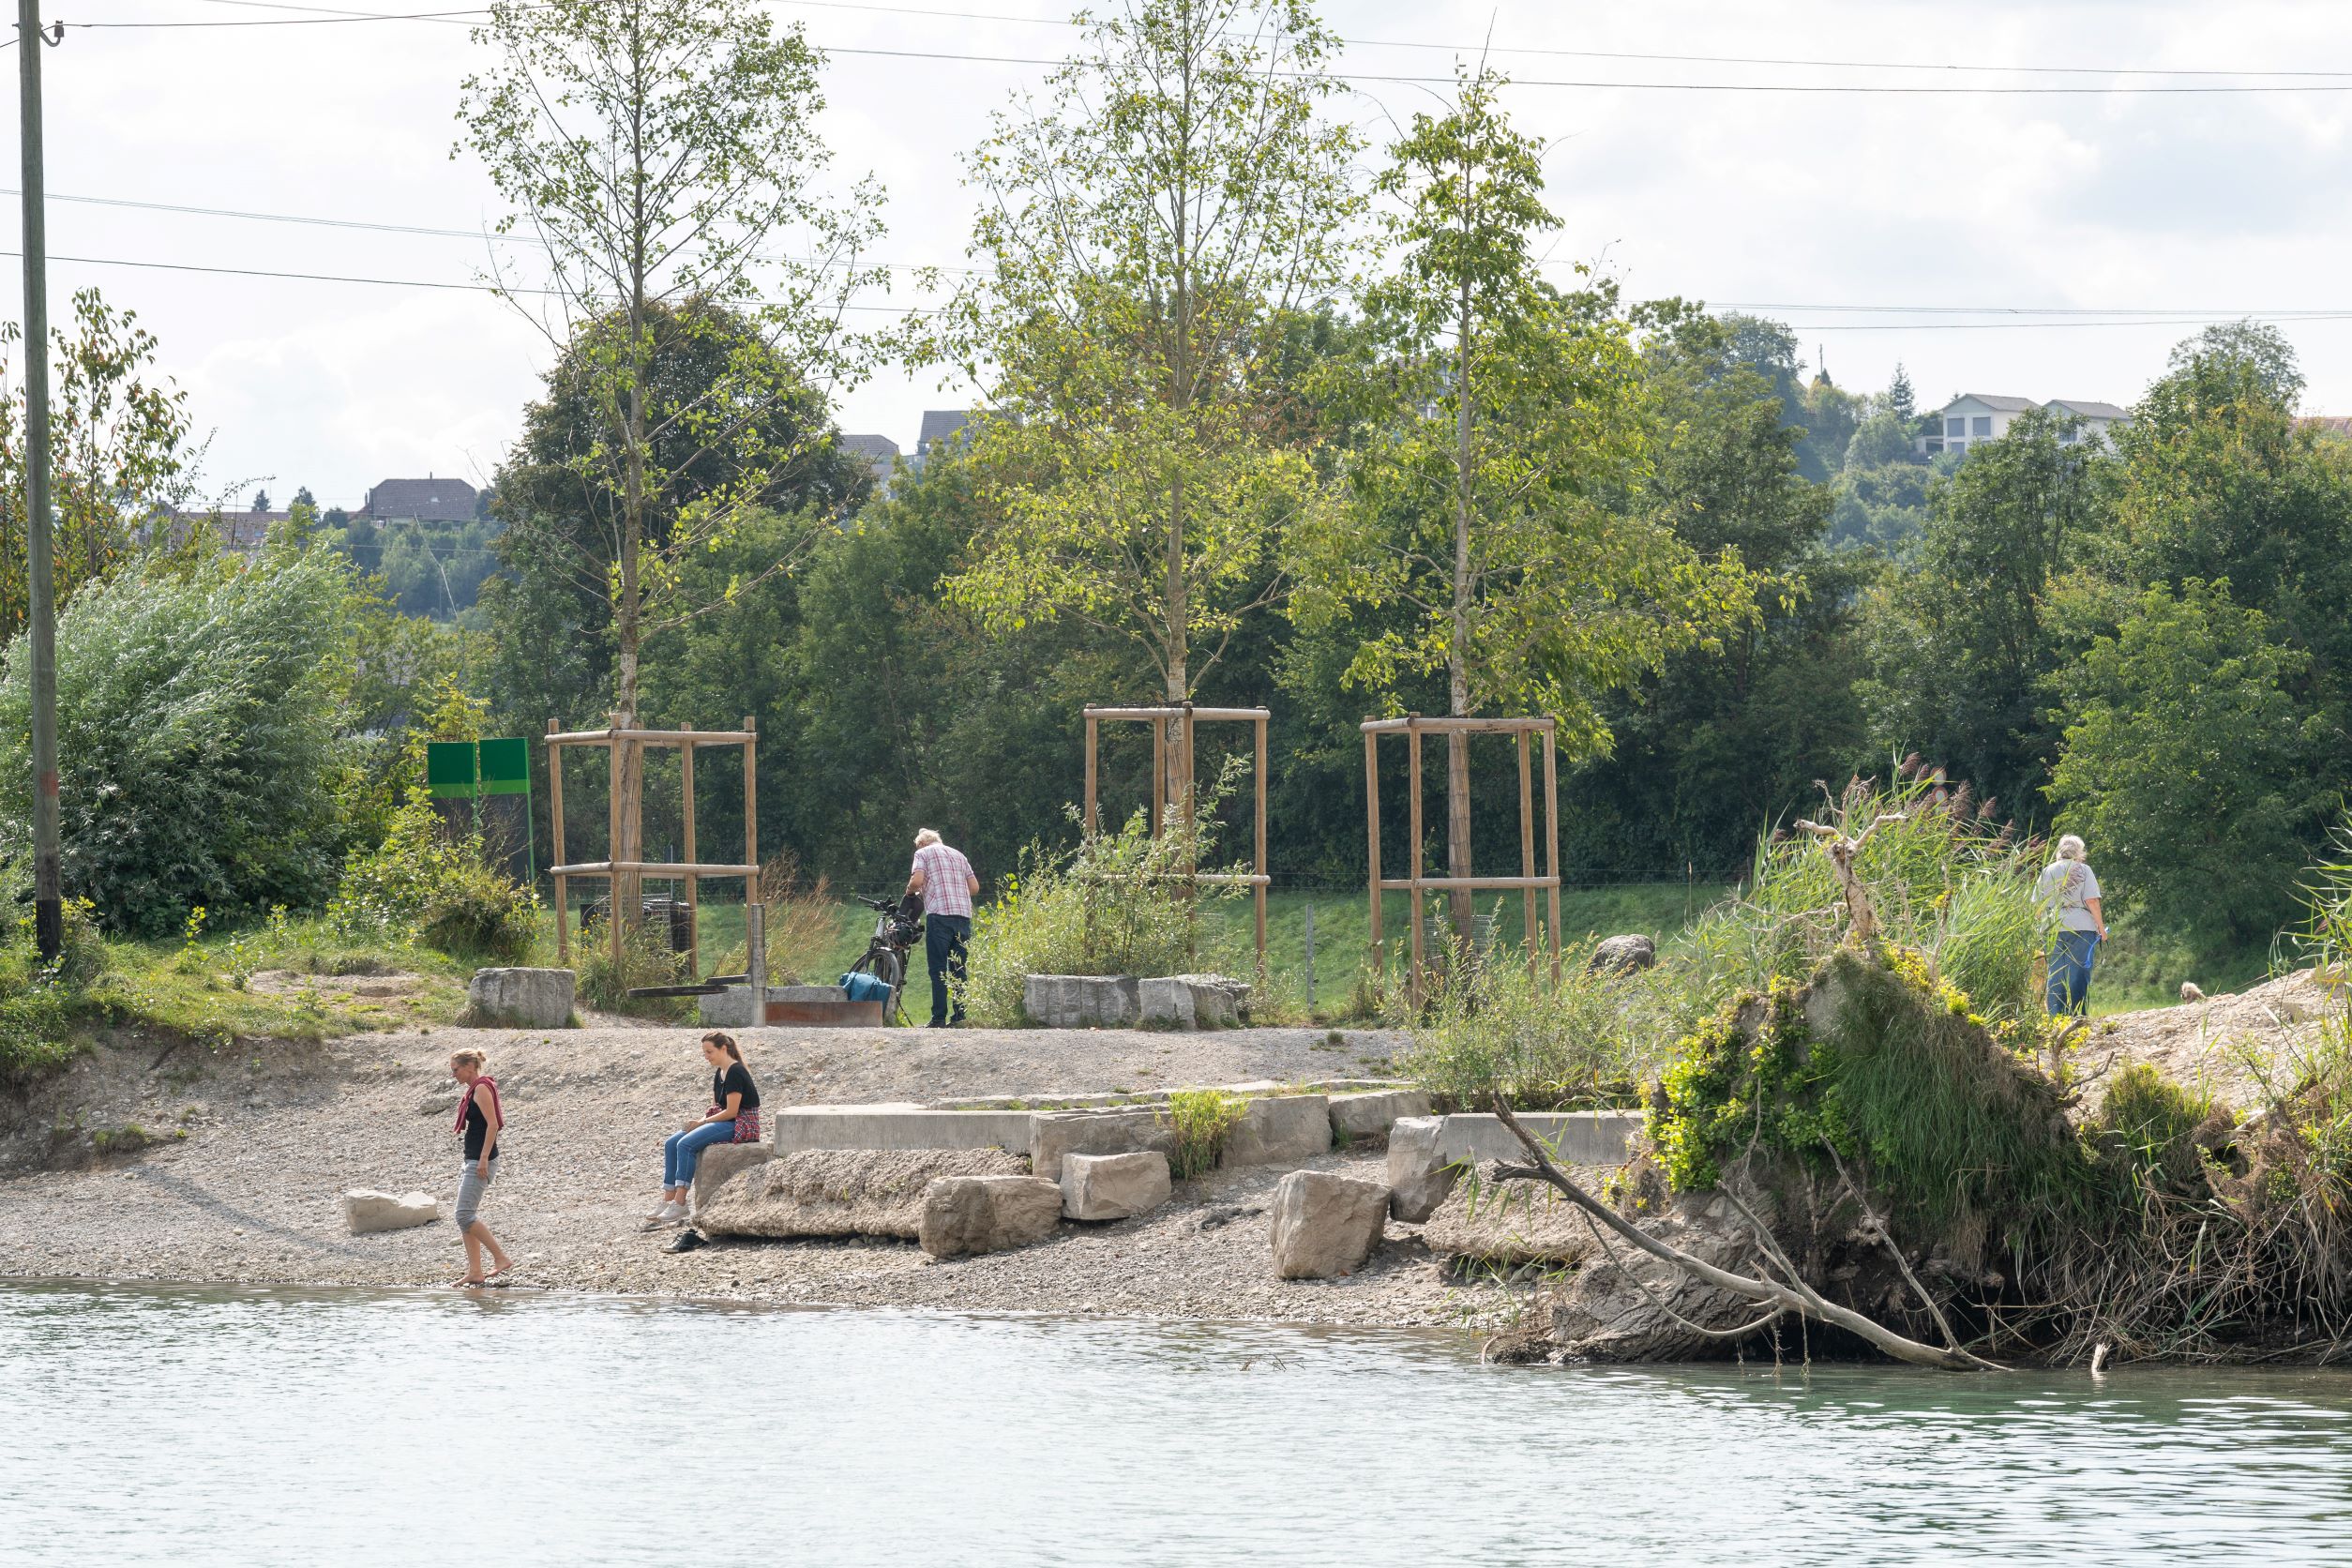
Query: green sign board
[
  {"x": 449, "y": 770},
  {"x": 468, "y": 770},
  {"x": 505, "y": 767}
]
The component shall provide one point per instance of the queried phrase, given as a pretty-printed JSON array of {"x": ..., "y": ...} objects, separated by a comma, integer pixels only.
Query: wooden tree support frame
[
  {"x": 1177, "y": 722},
  {"x": 1412, "y": 728},
  {"x": 690, "y": 870}
]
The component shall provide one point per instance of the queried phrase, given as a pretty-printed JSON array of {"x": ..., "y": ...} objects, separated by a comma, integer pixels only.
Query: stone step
[
  {"x": 1573, "y": 1137},
  {"x": 896, "y": 1127}
]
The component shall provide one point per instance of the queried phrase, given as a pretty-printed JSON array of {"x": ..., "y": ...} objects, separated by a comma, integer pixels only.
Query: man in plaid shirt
[{"x": 943, "y": 876}]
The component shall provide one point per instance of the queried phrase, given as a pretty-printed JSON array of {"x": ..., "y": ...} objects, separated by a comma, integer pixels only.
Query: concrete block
[
  {"x": 1114, "y": 1186},
  {"x": 1323, "y": 1226},
  {"x": 518, "y": 998},
  {"x": 1571, "y": 1136},
  {"x": 1053, "y": 1135},
  {"x": 840, "y": 1192},
  {"x": 968, "y": 1215},
  {"x": 1419, "y": 1174},
  {"x": 721, "y": 1161},
  {"x": 1082, "y": 1000},
  {"x": 366, "y": 1211},
  {"x": 1279, "y": 1130},
  {"x": 1364, "y": 1118},
  {"x": 896, "y": 1127}
]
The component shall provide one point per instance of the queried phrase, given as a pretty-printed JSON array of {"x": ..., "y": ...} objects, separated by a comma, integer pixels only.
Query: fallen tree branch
[
  {"x": 1795, "y": 1296},
  {"x": 1773, "y": 1316}
]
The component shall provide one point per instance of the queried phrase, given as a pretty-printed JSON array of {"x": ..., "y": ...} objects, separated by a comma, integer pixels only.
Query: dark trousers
[{"x": 944, "y": 940}]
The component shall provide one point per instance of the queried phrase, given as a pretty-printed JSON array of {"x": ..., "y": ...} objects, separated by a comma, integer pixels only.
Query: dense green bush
[
  {"x": 420, "y": 885},
  {"x": 1115, "y": 905},
  {"x": 197, "y": 738}
]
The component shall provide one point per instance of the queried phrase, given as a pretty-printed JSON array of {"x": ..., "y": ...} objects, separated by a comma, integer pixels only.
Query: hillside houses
[{"x": 1977, "y": 417}]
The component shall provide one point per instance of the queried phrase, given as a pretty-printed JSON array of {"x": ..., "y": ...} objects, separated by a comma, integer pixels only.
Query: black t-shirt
[{"x": 734, "y": 1080}]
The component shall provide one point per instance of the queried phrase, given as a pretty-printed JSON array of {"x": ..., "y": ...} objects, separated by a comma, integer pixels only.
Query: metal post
[
  {"x": 1310, "y": 962},
  {"x": 49, "y": 912}
]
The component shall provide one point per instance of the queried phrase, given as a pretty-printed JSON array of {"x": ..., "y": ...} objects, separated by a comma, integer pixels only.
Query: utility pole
[{"x": 47, "y": 889}]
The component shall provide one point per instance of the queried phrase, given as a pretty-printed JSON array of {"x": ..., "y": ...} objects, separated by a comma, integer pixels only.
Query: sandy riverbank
[{"x": 249, "y": 1193}]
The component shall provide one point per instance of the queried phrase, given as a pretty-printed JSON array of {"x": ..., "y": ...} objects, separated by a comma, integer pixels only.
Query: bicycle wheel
[{"x": 883, "y": 965}]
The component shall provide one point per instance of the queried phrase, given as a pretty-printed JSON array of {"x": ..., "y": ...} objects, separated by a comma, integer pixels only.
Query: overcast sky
[{"x": 2206, "y": 202}]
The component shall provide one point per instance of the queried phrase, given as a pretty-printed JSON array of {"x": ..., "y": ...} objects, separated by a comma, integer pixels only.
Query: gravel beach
[{"x": 235, "y": 1168}]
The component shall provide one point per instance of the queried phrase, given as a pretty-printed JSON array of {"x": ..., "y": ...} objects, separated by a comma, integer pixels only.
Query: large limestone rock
[
  {"x": 1114, "y": 1186},
  {"x": 1419, "y": 1174},
  {"x": 968, "y": 1215},
  {"x": 1194, "y": 1000},
  {"x": 518, "y": 998},
  {"x": 1324, "y": 1226},
  {"x": 1520, "y": 1222},
  {"x": 840, "y": 1192},
  {"x": 1082, "y": 1000},
  {"x": 1624, "y": 955},
  {"x": 1364, "y": 1119},
  {"x": 366, "y": 1211},
  {"x": 1280, "y": 1129},
  {"x": 1086, "y": 1131},
  {"x": 722, "y": 1161}
]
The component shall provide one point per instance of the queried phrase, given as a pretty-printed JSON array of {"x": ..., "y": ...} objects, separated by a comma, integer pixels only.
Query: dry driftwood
[
  {"x": 1863, "y": 926},
  {"x": 1793, "y": 1295}
]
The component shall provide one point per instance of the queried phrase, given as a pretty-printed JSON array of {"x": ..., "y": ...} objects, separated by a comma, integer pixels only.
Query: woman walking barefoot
[
  {"x": 479, "y": 1123},
  {"x": 733, "y": 1118}
]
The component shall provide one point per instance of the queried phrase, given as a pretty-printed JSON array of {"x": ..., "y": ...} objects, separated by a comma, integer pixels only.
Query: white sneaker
[{"x": 668, "y": 1214}]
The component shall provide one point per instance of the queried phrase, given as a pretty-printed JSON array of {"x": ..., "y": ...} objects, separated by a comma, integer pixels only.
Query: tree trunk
[{"x": 1457, "y": 822}]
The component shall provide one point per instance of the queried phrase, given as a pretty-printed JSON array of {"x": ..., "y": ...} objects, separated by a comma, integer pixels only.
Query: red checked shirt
[{"x": 946, "y": 880}]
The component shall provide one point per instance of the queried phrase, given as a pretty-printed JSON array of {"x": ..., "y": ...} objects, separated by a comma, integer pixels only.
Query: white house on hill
[{"x": 1975, "y": 416}]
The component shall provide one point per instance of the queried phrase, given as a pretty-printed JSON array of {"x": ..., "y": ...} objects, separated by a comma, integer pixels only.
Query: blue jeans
[
  {"x": 683, "y": 1150},
  {"x": 2070, "y": 960},
  {"x": 944, "y": 940}
]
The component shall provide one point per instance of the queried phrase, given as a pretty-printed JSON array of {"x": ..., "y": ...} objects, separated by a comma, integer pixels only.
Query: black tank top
[{"x": 476, "y": 1128}]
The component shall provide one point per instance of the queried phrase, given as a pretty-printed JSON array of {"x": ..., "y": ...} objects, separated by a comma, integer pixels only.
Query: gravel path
[{"x": 249, "y": 1193}]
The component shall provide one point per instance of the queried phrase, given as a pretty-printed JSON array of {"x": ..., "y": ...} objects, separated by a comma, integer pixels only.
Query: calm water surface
[{"x": 206, "y": 1426}]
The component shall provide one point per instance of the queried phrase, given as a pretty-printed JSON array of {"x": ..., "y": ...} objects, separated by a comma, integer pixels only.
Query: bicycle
[{"x": 897, "y": 927}]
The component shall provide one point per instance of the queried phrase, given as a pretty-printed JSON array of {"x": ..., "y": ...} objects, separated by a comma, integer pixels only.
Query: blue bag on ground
[{"x": 858, "y": 986}]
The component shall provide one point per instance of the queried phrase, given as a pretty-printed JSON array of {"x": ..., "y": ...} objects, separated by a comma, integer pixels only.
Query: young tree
[
  {"x": 1900, "y": 401},
  {"x": 1515, "y": 417},
  {"x": 1142, "y": 237},
  {"x": 2187, "y": 763},
  {"x": 659, "y": 153},
  {"x": 118, "y": 450}
]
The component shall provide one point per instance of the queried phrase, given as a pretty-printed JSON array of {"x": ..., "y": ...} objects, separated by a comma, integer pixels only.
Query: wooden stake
[
  {"x": 555, "y": 805},
  {"x": 612, "y": 882},
  {"x": 1412, "y": 769},
  {"x": 1551, "y": 840},
  {"x": 751, "y": 791},
  {"x": 1094, "y": 738},
  {"x": 1159, "y": 779},
  {"x": 1526, "y": 849},
  {"x": 1261, "y": 866},
  {"x": 693, "y": 884}
]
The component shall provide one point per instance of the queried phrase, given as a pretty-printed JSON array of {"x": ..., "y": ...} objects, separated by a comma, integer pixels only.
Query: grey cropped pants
[{"x": 472, "y": 1184}]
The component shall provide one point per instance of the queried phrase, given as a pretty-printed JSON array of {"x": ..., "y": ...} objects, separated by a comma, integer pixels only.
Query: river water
[{"x": 188, "y": 1427}]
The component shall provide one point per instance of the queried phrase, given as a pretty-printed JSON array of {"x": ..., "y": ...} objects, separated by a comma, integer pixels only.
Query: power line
[
  {"x": 1398, "y": 79},
  {"x": 1483, "y": 49},
  {"x": 386, "y": 282}
]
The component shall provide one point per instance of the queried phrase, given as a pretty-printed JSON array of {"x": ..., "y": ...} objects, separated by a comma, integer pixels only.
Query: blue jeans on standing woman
[
  {"x": 680, "y": 1153},
  {"x": 2070, "y": 961}
]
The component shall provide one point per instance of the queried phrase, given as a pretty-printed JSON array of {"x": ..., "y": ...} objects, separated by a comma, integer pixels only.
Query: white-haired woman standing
[{"x": 2070, "y": 884}]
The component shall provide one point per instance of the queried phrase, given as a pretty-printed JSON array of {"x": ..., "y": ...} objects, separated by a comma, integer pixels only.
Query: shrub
[
  {"x": 1944, "y": 879},
  {"x": 197, "y": 733},
  {"x": 37, "y": 1000},
  {"x": 1117, "y": 904},
  {"x": 418, "y": 885},
  {"x": 1204, "y": 1118},
  {"x": 645, "y": 960},
  {"x": 1496, "y": 1026}
]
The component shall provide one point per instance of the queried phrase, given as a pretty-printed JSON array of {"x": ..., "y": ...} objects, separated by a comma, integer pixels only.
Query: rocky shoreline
[{"x": 228, "y": 1170}]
